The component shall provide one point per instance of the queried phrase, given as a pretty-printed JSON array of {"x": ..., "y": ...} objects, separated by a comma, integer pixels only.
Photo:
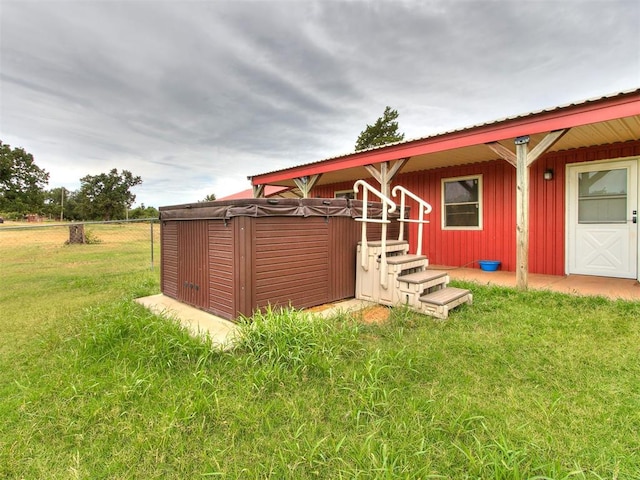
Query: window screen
[
  {"x": 602, "y": 196},
  {"x": 461, "y": 201}
]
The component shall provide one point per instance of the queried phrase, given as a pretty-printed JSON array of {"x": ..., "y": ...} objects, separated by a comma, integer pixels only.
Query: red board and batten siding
[
  {"x": 497, "y": 239},
  {"x": 465, "y": 247},
  {"x": 328, "y": 191},
  {"x": 459, "y": 247}
]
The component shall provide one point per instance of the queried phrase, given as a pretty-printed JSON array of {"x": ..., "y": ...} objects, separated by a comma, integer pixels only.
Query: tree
[
  {"x": 107, "y": 195},
  {"x": 209, "y": 198},
  {"x": 55, "y": 201},
  {"x": 62, "y": 204},
  {"x": 384, "y": 131},
  {"x": 144, "y": 212},
  {"x": 22, "y": 182}
]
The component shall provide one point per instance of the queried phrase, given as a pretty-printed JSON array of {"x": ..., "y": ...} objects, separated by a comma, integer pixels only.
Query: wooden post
[
  {"x": 384, "y": 175},
  {"x": 522, "y": 212},
  {"x": 522, "y": 160}
]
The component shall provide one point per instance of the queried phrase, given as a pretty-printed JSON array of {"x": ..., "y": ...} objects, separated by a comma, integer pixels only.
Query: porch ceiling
[{"x": 613, "y": 131}]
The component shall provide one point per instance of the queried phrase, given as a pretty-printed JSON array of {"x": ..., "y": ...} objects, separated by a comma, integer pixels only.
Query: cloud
[{"x": 196, "y": 96}]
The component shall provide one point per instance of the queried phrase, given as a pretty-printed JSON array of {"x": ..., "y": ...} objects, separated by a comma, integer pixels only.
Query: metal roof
[{"x": 592, "y": 122}]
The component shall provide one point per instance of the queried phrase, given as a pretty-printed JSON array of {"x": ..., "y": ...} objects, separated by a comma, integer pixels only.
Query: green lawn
[{"x": 518, "y": 385}]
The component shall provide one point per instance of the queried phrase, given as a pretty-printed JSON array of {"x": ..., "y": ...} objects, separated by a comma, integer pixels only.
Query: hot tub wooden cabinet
[{"x": 231, "y": 258}]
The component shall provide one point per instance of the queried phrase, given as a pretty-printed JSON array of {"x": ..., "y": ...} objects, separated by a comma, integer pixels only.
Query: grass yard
[
  {"x": 519, "y": 385},
  {"x": 44, "y": 281}
]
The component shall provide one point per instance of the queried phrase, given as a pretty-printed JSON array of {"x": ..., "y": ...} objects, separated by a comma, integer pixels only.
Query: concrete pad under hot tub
[{"x": 222, "y": 331}]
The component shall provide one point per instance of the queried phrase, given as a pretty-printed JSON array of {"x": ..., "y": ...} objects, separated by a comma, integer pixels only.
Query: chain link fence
[{"x": 137, "y": 241}]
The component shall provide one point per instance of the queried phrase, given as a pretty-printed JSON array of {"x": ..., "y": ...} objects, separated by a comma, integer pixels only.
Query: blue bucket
[{"x": 489, "y": 265}]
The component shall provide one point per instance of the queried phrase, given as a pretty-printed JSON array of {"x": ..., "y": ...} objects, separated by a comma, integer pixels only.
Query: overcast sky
[{"x": 194, "y": 96}]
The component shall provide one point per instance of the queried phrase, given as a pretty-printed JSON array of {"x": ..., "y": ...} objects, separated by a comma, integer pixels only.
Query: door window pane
[{"x": 602, "y": 196}]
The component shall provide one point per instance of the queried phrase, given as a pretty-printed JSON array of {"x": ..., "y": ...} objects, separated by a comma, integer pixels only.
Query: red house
[{"x": 552, "y": 192}]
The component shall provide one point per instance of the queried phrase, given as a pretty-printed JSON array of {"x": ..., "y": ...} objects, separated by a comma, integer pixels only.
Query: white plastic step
[
  {"x": 425, "y": 276},
  {"x": 402, "y": 259},
  {"x": 392, "y": 247},
  {"x": 413, "y": 285},
  {"x": 396, "y": 265},
  {"x": 439, "y": 303},
  {"x": 390, "y": 243}
]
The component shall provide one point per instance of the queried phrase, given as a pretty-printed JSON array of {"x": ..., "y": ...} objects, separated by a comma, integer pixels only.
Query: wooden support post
[
  {"x": 384, "y": 175},
  {"x": 522, "y": 160},
  {"x": 522, "y": 213}
]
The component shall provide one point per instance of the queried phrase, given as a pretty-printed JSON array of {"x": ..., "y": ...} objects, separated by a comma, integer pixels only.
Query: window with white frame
[
  {"x": 348, "y": 194},
  {"x": 462, "y": 203}
]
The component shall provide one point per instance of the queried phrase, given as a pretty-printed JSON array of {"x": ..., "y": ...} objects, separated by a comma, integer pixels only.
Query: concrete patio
[{"x": 613, "y": 288}]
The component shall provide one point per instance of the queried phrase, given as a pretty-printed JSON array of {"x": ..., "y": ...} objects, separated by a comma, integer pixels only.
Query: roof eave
[{"x": 602, "y": 110}]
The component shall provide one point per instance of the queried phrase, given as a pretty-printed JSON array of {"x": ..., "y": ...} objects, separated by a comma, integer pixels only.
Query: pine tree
[{"x": 384, "y": 131}]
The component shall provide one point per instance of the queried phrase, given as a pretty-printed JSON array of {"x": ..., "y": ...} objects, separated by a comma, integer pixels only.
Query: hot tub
[{"x": 231, "y": 258}]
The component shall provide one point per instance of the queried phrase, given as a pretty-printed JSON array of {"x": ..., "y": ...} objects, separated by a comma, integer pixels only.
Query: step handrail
[
  {"x": 388, "y": 206},
  {"x": 424, "y": 208}
]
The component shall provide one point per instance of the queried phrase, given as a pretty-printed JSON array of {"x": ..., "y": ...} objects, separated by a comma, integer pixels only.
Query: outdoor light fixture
[{"x": 548, "y": 174}]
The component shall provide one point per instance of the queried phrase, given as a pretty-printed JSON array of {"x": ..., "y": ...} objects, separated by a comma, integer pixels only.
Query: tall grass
[
  {"x": 518, "y": 385},
  {"x": 291, "y": 342}
]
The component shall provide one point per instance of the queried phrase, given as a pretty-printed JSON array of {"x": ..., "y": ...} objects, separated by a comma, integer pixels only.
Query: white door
[{"x": 602, "y": 212}]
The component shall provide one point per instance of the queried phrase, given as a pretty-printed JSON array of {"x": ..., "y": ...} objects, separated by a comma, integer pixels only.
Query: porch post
[
  {"x": 522, "y": 160},
  {"x": 522, "y": 212}
]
